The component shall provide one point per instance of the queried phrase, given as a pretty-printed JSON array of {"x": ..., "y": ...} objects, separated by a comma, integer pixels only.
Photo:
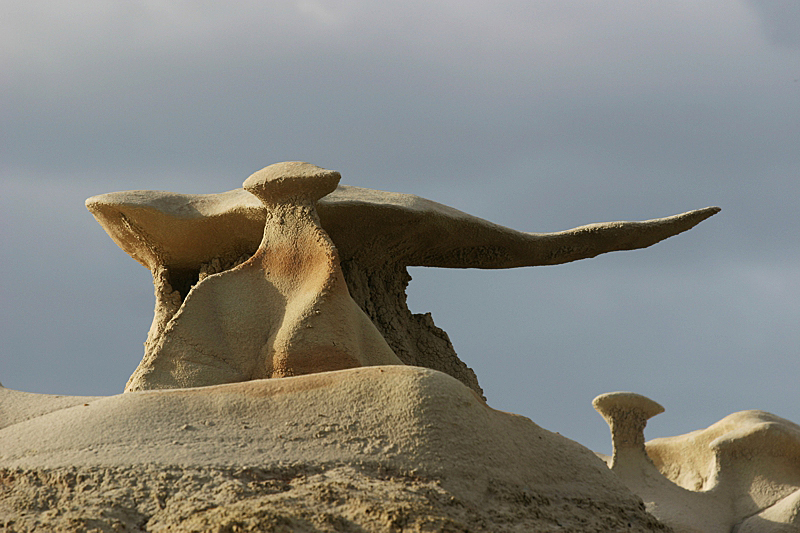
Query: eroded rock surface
[
  {"x": 372, "y": 449},
  {"x": 741, "y": 474},
  {"x": 293, "y": 499},
  {"x": 189, "y": 241},
  {"x": 285, "y": 311}
]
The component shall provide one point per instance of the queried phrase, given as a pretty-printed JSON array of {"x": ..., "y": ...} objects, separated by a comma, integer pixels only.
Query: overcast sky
[{"x": 538, "y": 115}]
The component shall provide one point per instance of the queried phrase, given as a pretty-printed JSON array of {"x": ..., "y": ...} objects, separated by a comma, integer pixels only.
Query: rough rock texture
[
  {"x": 186, "y": 240},
  {"x": 285, "y": 311},
  {"x": 363, "y": 498},
  {"x": 741, "y": 474},
  {"x": 626, "y": 414},
  {"x": 381, "y": 293},
  {"x": 294, "y": 276},
  {"x": 392, "y": 448}
]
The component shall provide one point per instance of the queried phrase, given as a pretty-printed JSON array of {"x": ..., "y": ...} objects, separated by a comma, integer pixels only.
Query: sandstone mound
[{"x": 392, "y": 448}]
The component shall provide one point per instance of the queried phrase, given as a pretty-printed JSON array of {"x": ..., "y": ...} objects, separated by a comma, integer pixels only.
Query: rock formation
[
  {"x": 210, "y": 258},
  {"x": 284, "y": 388},
  {"x": 741, "y": 474}
]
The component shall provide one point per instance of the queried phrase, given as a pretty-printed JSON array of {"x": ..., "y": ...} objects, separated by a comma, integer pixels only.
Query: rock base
[
  {"x": 374, "y": 449},
  {"x": 300, "y": 498}
]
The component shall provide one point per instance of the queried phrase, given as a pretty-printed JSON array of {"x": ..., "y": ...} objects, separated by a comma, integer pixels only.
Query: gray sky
[{"x": 539, "y": 115}]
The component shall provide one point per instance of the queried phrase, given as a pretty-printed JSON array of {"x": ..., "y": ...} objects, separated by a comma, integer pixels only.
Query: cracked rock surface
[{"x": 366, "y": 498}]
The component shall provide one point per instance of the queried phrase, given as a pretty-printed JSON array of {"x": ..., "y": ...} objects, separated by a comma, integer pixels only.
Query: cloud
[
  {"x": 324, "y": 13},
  {"x": 780, "y": 21}
]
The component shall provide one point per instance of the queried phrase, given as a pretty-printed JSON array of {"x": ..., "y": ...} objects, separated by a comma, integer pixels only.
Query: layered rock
[{"x": 274, "y": 393}]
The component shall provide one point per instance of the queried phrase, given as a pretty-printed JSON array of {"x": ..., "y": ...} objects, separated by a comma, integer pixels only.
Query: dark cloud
[
  {"x": 780, "y": 20},
  {"x": 418, "y": 83}
]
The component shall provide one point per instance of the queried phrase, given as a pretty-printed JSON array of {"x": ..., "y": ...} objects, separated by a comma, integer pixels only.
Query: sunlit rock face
[
  {"x": 741, "y": 474},
  {"x": 294, "y": 274},
  {"x": 284, "y": 311}
]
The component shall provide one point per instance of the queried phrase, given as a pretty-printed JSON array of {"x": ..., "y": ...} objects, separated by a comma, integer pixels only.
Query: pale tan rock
[
  {"x": 285, "y": 311},
  {"x": 184, "y": 239},
  {"x": 627, "y": 414},
  {"x": 740, "y": 474},
  {"x": 16, "y": 406},
  {"x": 373, "y": 449}
]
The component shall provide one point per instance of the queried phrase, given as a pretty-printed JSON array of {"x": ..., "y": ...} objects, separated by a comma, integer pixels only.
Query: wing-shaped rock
[
  {"x": 184, "y": 231},
  {"x": 184, "y": 239}
]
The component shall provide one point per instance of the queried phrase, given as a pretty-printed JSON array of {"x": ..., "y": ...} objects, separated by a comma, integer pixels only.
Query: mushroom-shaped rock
[
  {"x": 740, "y": 474},
  {"x": 282, "y": 182},
  {"x": 627, "y": 414},
  {"x": 185, "y": 238},
  {"x": 285, "y": 311}
]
